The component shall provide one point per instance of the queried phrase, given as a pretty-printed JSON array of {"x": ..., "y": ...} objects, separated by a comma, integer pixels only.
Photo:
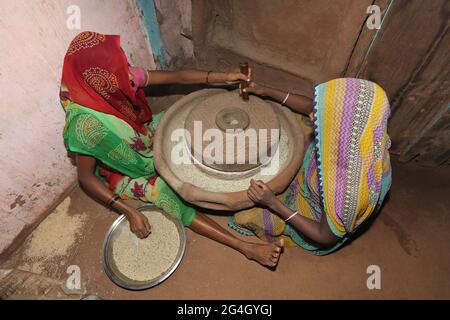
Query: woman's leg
[
  {"x": 266, "y": 254},
  {"x": 160, "y": 194}
]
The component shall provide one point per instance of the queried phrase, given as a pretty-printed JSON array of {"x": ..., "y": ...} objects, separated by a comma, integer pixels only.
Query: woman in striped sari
[{"x": 346, "y": 171}]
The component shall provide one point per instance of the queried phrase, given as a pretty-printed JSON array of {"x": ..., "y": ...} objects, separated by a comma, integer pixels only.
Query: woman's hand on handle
[
  {"x": 235, "y": 76},
  {"x": 255, "y": 88},
  {"x": 298, "y": 103}
]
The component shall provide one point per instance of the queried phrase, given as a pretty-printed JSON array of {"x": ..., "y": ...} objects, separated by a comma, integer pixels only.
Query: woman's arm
[
  {"x": 192, "y": 77},
  {"x": 95, "y": 188},
  {"x": 319, "y": 232},
  {"x": 297, "y": 103}
]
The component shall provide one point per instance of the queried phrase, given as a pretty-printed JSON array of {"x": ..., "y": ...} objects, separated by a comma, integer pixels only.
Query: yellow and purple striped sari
[{"x": 346, "y": 171}]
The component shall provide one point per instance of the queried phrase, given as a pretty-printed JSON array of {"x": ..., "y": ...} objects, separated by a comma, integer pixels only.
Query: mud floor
[{"x": 409, "y": 241}]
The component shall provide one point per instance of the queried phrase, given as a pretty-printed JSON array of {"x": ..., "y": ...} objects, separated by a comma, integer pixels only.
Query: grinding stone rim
[{"x": 226, "y": 201}]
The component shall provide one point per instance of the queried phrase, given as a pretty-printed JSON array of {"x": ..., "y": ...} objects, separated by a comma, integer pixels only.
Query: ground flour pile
[
  {"x": 146, "y": 259},
  {"x": 53, "y": 237}
]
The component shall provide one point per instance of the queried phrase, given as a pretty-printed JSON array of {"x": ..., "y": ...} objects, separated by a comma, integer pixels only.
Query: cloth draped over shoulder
[
  {"x": 95, "y": 75},
  {"x": 110, "y": 140},
  {"x": 95, "y": 93},
  {"x": 354, "y": 172}
]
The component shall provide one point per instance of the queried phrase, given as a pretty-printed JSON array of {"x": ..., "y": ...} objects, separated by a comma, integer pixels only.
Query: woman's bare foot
[{"x": 265, "y": 254}]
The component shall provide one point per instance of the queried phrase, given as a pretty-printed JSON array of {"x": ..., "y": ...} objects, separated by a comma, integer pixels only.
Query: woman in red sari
[{"x": 109, "y": 127}]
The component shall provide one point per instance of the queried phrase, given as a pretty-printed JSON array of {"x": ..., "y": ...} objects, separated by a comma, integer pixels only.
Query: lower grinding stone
[
  {"x": 204, "y": 177},
  {"x": 208, "y": 187}
]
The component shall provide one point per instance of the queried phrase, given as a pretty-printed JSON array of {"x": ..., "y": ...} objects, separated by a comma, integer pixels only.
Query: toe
[
  {"x": 273, "y": 262},
  {"x": 280, "y": 243}
]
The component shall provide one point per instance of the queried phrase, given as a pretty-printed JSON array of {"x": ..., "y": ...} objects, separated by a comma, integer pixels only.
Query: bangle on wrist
[
  {"x": 207, "y": 76},
  {"x": 147, "y": 76},
  {"x": 291, "y": 216},
  {"x": 285, "y": 99},
  {"x": 112, "y": 201}
]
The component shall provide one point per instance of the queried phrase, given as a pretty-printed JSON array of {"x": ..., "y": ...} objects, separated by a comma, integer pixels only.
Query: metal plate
[{"x": 109, "y": 264}]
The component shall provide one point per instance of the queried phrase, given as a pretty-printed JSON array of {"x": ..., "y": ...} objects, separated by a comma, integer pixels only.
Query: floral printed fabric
[{"x": 125, "y": 157}]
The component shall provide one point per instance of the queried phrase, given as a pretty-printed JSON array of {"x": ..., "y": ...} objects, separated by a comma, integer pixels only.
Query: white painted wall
[{"x": 34, "y": 168}]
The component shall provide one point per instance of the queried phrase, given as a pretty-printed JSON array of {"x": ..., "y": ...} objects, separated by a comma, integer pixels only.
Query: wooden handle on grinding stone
[{"x": 244, "y": 84}]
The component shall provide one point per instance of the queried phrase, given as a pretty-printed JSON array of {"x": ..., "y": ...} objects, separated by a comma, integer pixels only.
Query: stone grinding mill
[{"x": 190, "y": 137}]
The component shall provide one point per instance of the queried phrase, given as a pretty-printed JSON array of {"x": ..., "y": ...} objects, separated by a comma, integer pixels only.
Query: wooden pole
[{"x": 244, "y": 84}]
